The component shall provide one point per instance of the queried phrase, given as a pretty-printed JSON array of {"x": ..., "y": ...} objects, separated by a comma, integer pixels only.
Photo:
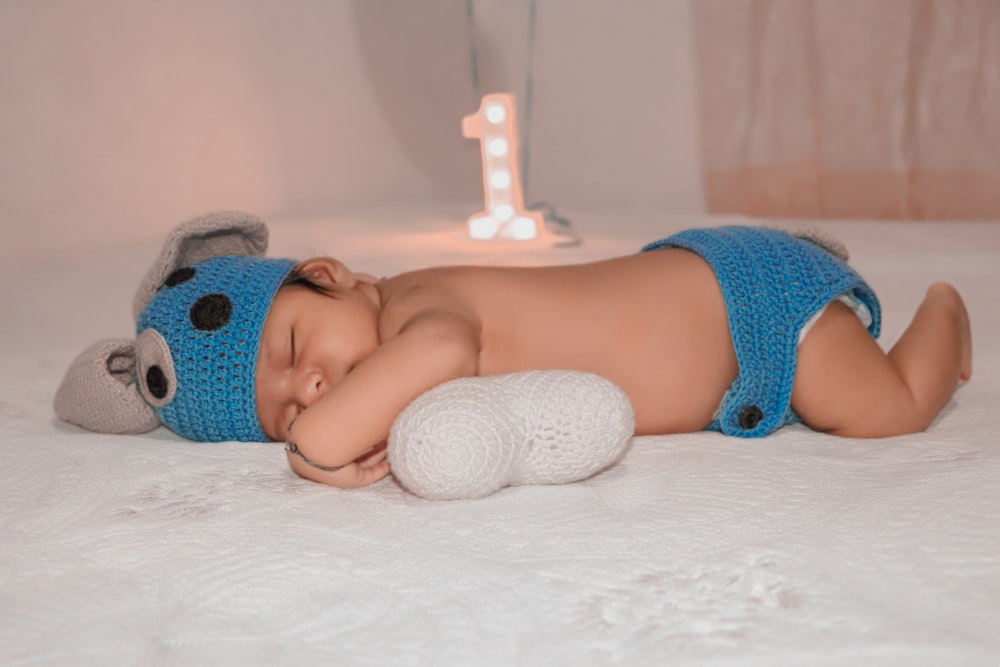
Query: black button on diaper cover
[{"x": 750, "y": 417}]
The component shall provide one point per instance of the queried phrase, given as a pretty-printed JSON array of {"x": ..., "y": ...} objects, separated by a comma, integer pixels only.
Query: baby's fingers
[
  {"x": 375, "y": 455},
  {"x": 356, "y": 475},
  {"x": 376, "y": 471}
]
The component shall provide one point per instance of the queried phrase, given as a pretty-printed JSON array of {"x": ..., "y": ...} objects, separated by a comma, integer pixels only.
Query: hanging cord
[
  {"x": 560, "y": 225},
  {"x": 529, "y": 98},
  {"x": 470, "y": 16}
]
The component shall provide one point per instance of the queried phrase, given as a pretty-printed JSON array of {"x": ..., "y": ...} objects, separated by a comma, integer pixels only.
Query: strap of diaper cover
[{"x": 772, "y": 284}]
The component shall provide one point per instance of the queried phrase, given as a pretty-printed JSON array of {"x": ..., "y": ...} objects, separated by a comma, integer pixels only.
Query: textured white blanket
[{"x": 701, "y": 549}]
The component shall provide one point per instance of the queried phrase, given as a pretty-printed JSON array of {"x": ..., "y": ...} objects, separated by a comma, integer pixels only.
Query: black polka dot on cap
[
  {"x": 211, "y": 312},
  {"x": 179, "y": 276}
]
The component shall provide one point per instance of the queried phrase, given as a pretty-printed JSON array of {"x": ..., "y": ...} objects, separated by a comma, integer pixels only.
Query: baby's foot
[
  {"x": 473, "y": 436},
  {"x": 947, "y": 293}
]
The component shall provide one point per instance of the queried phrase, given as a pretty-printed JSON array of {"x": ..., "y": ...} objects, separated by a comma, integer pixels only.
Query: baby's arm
[{"x": 329, "y": 441}]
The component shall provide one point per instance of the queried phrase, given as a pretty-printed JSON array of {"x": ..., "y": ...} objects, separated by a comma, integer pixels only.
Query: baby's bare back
[{"x": 654, "y": 323}]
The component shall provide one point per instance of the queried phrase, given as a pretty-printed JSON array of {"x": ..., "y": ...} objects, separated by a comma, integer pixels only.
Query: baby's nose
[{"x": 311, "y": 386}]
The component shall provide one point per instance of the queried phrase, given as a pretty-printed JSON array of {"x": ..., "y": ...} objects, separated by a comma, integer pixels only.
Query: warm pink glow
[{"x": 504, "y": 216}]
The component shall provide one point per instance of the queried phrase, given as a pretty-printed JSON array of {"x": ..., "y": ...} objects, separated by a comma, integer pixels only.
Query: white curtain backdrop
[{"x": 851, "y": 108}]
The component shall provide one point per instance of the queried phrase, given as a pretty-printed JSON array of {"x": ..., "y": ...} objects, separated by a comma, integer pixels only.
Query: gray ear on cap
[
  {"x": 98, "y": 393},
  {"x": 213, "y": 235}
]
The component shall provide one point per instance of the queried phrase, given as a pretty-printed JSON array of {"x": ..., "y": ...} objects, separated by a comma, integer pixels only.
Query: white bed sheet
[{"x": 697, "y": 549}]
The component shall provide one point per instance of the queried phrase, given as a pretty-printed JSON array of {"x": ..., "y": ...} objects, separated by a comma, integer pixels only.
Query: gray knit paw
[
  {"x": 827, "y": 242},
  {"x": 471, "y": 437}
]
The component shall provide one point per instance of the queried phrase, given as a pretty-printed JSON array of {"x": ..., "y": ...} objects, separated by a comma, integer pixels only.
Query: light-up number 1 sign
[{"x": 495, "y": 125}]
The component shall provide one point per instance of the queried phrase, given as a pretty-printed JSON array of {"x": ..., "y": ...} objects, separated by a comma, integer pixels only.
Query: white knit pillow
[{"x": 471, "y": 437}]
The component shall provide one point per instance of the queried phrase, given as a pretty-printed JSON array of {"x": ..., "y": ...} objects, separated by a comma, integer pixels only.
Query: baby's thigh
[{"x": 844, "y": 382}]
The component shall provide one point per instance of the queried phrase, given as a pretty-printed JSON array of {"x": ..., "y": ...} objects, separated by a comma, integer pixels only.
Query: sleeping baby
[{"x": 461, "y": 380}]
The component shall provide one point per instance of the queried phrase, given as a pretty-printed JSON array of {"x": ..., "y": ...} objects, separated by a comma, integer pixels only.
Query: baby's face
[{"x": 310, "y": 342}]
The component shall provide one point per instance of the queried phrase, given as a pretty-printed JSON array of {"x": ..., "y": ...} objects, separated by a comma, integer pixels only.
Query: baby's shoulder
[{"x": 446, "y": 290}]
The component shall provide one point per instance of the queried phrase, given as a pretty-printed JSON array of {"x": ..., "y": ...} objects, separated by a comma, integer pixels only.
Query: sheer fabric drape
[{"x": 851, "y": 108}]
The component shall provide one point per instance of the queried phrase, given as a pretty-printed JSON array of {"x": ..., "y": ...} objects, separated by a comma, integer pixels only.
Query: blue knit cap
[{"x": 197, "y": 346}]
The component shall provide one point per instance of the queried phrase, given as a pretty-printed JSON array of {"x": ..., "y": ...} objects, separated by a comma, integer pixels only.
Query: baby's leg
[{"x": 846, "y": 385}]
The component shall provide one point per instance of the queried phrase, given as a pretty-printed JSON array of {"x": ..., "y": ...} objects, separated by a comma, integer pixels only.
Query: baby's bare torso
[{"x": 654, "y": 323}]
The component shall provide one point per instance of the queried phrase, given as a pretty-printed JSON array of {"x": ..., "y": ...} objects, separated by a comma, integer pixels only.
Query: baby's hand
[{"x": 367, "y": 469}]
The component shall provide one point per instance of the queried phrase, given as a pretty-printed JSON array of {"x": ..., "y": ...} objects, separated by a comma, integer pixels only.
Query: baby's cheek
[{"x": 265, "y": 409}]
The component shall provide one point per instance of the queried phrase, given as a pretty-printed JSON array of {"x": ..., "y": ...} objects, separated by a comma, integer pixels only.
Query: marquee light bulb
[
  {"x": 495, "y": 113},
  {"x": 503, "y": 212},
  {"x": 498, "y": 147},
  {"x": 523, "y": 229},
  {"x": 500, "y": 179},
  {"x": 483, "y": 228}
]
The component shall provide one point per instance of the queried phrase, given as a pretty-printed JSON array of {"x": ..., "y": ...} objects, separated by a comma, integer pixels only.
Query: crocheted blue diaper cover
[{"x": 772, "y": 283}]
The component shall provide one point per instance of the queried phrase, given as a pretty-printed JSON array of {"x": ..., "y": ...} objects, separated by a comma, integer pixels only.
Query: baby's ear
[
  {"x": 99, "y": 393},
  {"x": 217, "y": 234},
  {"x": 328, "y": 272}
]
